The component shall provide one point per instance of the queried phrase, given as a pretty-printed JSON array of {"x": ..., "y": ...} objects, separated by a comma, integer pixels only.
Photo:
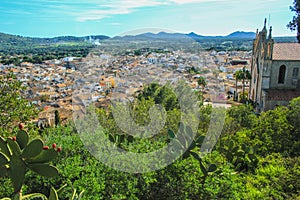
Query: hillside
[
  {"x": 7, "y": 38},
  {"x": 239, "y": 40},
  {"x": 15, "y": 44}
]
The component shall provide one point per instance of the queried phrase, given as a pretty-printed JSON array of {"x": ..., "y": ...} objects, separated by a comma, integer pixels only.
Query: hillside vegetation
[{"x": 256, "y": 157}]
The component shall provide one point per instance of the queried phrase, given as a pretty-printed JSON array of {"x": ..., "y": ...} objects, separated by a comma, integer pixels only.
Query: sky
[{"x": 50, "y": 18}]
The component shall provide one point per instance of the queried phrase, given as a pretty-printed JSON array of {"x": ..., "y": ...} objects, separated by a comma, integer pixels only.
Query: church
[{"x": 274, "y": 70}]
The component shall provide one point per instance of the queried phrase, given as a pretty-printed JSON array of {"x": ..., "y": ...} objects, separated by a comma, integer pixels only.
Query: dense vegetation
[
  {"x": 16, "y": 49},
  {"x": 257, "y": 157},
  {"x": 36, "y": 54}
]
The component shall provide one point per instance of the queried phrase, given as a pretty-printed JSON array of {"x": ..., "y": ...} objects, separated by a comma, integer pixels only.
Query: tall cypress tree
[{"x": 56, "y": 118}]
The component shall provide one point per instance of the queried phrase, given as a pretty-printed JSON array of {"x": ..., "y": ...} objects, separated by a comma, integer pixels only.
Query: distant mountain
[
  {"x": 238, "y": 40},
  {"x": 241, "y": 34},
  {"x": 192, "y": 35},
  {"x": 237, "y": 34},
  {"x": 152, "y": 37}
]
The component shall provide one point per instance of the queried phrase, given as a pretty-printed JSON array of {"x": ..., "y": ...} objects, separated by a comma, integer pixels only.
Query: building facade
[{"x": 275, "y": 71}]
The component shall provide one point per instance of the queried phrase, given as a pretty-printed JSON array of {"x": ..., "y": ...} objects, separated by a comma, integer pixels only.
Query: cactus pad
[
  {"x": 3, "y": 146},
  {"x": 3, "y": 159},
  {"x": 14, "y": 147},
  {"x": 53, "y": 194},
  {"x": 17, "y": 172},
  {"x": 212, "y": 168},
  {"x": 33, "y": 149},
  {"x": 44, "y": 169},
  {"x": 3, "y": 171},
  {"x": 44, "y": 157},
  {"x": 22, "y": 138}
]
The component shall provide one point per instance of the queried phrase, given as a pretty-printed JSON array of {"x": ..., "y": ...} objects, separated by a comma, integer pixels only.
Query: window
[
  {"x": 295, "y": 72},
  {"x": 281, "y": 75}
]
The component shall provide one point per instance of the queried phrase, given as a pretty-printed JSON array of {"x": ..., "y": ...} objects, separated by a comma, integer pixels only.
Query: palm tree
[
  {"x": 242, "y": 75},
  {"x": 238, "y": 76},
  {"x": 246, "y": 76}
]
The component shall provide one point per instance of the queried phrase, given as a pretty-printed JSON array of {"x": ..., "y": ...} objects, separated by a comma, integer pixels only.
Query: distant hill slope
[
  {"x": 241, "y": 34},
  {"x": 16, "y": 39},
  {"x": 238, "y": 40},
  {"x": 192, "y": 35},
  {"x": 13, "y": 39},
  {"x": 15, "y": 44}
]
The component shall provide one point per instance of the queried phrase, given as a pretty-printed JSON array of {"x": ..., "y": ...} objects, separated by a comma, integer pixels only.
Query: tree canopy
[
  {"x": 14, "y": 108},
  {"x": 294, "y": 24}
]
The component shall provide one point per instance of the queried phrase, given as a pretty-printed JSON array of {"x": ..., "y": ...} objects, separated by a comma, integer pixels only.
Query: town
[
  {"x": 151, "y": 99},
  {"x": 50, "y": 85}
]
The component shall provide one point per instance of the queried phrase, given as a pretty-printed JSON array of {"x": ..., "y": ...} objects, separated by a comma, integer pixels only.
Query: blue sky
[{"x": 48, "y": 18}]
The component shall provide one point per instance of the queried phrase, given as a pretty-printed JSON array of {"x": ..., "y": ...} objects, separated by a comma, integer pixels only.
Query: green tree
[
  {"x": 202, "y": 82},
  {"x": 274, "y": 131},
  {"x": 242, "y": 75},
  {"x": 57, "y": 118},
  {"x": 294, "y": 120},
  {"x": 238, "y": 76},
  {"x": 14, "y": 108},
  {"x": 294, "y": 24},
  {"x": 161, "y": 94},
  {"x": 246, "y": 76}
]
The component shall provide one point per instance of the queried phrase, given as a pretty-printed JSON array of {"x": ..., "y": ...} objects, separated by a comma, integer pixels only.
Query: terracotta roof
[
  {"x": 282, "y": 95},
  {"x": 286, "y": 51}
]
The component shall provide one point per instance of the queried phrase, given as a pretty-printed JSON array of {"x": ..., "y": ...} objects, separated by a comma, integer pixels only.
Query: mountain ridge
[{"x": 239, "y": 34}]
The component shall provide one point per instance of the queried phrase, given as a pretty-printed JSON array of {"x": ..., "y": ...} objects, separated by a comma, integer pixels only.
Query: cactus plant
[
  {"x": 242, "y": 156},
  {"x": 54, "y": 194},
  {"x": 18, "y": 155},
  {"x": 182, "y": 143}
]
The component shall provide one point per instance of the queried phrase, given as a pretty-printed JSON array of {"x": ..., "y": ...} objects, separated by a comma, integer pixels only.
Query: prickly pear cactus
[
  {"x": 191, "y": 149},
  {"x": 18, "y": 155},
  {"x": 242, "y": 156}
]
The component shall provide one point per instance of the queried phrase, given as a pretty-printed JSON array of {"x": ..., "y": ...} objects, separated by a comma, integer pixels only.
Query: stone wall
[{"x": 289, "y": 81}]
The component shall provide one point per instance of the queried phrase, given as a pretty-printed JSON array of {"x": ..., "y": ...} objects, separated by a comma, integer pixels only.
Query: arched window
[{"x": 281, "y": 75}]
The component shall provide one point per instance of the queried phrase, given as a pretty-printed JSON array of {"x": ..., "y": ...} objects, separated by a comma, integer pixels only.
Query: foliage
[
  {"x": 241, "y": 75},
  {"x": 202, "y": 82},
  {"x": 241, "y": 156},
  {"x": 57, "y": 118},
  {"x": 13, "y": 107},
  {"x": 274, "y": 131},
  {"x": 243, "y": 116},
  {"x": 163, "y": 95},
  {"x": 257, "y": 156},
  {"x": 192, "y": 148},
  {"x": 293, "y": 116},
  {"x": 294, "y": 24},
  {"x": 19, "y": 154},
  {"x": 275, "y": 178}
]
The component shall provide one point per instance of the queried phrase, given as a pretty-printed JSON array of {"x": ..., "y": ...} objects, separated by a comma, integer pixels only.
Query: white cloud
[
  {"x": 194, "y": 1},
  {"x": 115, "y": 24},
  {"x": 111, "y": 8},
  {"x": 90, "y": 10},
  {"x": 100, "y": 14}
]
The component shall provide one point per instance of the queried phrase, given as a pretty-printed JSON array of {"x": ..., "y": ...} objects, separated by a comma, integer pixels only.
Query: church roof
[{"x": 286, "y": 51}]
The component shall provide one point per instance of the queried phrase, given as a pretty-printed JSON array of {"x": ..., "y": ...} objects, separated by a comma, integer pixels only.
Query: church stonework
[{"x": 275, "y": 70}]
